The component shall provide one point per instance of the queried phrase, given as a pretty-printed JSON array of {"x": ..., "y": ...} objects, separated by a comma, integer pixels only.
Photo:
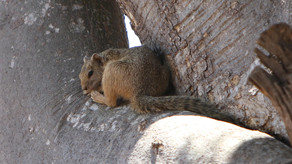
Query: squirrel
[{"x": 140, "y": 76}]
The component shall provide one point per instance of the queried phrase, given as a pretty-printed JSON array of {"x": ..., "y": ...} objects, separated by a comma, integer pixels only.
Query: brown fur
[{"x": 137, "y": 75}]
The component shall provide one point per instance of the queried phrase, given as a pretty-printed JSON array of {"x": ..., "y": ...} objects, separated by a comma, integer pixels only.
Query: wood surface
[{"x": 275, "y": 81}]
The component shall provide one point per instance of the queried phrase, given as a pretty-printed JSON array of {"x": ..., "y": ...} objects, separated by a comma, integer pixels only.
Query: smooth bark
[{"x": 42, "y": 44}]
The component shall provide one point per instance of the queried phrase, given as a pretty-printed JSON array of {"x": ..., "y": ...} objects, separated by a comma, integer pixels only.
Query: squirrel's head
[{"x": 91, "y": 74}]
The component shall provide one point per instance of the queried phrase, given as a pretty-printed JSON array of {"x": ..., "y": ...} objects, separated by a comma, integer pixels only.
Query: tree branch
[{"x": 277, "y": 86}]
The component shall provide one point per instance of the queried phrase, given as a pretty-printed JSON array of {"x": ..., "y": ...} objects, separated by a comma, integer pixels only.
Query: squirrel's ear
[
  {"x": 95, "y": 57},
  {"x": 85, "y": 59}
]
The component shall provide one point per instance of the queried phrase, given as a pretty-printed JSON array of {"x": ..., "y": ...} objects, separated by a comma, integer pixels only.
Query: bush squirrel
[{"x": 140, "y": 76}]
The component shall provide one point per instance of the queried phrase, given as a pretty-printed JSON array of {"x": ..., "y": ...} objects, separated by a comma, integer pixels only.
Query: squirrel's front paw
[{"x": 97, "y": 97}]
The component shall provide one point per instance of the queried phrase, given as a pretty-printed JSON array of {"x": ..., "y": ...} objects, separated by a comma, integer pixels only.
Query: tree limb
[{"x": 277, "y": 86}]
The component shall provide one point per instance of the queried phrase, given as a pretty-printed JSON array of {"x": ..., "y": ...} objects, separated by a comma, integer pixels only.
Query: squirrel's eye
[{"x": 90, "y": 73}]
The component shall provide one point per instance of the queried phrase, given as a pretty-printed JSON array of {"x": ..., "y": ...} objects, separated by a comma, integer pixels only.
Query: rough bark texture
[
  {"x": 278, "y": 85},
  {"x": 210, "y": 48}
]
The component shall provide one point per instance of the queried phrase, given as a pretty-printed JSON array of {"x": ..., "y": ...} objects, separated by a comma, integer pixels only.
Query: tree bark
[
  {"x": 46, "y": 119},
  {"x": 42, "y": 44},
  {"x": 210, "y": 45},
  {"x": 277, "y": 86}
]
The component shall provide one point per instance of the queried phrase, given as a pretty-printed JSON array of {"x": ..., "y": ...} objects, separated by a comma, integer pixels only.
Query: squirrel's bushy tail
[{"x": 149, "y": 104}]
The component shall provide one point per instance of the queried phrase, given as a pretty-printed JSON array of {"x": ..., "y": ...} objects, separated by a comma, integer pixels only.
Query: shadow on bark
[{"x": 261, "y": 150}]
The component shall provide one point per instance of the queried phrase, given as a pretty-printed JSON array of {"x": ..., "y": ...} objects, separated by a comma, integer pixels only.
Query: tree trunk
[
  {"x": 210, "y": 48},
  {"x": 42, "y": 44},
  {"x": 46, "y": 119}
]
